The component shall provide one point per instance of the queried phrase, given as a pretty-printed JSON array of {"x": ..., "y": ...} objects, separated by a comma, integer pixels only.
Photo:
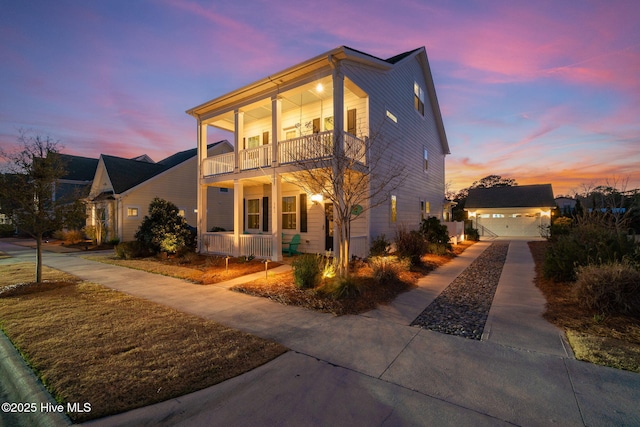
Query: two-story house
[{"x": 341, "y": 99}]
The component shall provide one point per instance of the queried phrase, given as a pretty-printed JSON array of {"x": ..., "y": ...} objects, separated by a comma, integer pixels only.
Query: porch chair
[{"x": 291, "y": 248}]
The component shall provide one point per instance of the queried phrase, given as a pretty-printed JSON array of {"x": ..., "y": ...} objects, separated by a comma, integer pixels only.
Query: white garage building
[{"x": 522, "y": 210}]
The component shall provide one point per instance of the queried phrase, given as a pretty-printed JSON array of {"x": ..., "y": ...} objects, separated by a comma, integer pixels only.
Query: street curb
[{"x": 23, "y": 386}]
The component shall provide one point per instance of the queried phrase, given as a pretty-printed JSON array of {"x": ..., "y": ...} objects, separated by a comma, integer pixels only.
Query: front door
[{"x": 328, "y": 226}]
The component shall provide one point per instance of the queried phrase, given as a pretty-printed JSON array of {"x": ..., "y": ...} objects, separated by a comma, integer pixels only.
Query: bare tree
[
  {"x": 355, "y": 174},
  {"x": 27, "y": 188}
]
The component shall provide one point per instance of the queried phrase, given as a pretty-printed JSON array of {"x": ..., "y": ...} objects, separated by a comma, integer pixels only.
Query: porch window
[
  {"x": 418, "y": 98},
  {"x": 289, "y": 213},
  {"x": 253, "y": 142},
  {"x": 132, "y": 212},
  {"x": 253, "y": 214}
]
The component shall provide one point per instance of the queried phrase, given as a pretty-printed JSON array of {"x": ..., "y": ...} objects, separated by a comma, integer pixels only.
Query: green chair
[{"x": 291, "y": 248}]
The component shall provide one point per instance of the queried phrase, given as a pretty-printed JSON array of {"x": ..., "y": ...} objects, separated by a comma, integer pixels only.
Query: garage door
[{"x": 522, "y": 226}]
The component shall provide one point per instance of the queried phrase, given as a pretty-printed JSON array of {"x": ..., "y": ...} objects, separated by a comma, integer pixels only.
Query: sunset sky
[{"x": 539, "y": 91}]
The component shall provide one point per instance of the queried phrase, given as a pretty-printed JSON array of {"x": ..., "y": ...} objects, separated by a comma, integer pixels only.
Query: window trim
[
  {"x": 253, "y": 215},
  {"x": 132, "y": 208},
  {"x": 286, "y": 224},
  {"x": 418, "y": 98}
]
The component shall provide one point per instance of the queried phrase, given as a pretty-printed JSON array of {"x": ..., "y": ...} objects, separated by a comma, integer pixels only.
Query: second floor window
[
  {"x": 132, "y": 212},
  {"x": 394, "y": 209},
  {"x": 426, "y": 159},
  {"x": 418, "y": 98}
]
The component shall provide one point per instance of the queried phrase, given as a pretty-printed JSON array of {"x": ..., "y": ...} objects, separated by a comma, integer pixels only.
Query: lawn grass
[
  {"x": 88, "y": 343},
  {"x": 611, "y": 340}
]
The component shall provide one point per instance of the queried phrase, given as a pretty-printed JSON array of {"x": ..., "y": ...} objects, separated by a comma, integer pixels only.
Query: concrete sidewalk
[{"x": 374, "y": 369}]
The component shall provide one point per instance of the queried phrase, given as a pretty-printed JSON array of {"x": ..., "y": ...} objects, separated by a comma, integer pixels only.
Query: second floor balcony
[{"x": 316, "y": 146}]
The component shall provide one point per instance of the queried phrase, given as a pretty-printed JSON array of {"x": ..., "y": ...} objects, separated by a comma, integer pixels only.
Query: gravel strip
[{"x": 462, "y": 308}]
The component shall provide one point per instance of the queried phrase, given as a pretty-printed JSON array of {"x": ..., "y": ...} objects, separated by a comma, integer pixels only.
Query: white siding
[{"x": 409, "y": 137}]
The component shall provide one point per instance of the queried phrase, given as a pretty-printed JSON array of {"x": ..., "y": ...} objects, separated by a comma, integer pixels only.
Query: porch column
[
  {"x": 276, "y": 126},
  {"x": 201, "y": 203},
  {"x": 238, "y": 137},
  {"x": 338, "y": 109},
  {"x": 276, "y": 217},
  {"x": 238, "y": 215}
]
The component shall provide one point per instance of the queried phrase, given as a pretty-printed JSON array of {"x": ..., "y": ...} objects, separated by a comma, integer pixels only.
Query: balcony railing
[
  {"x": 253, "y": 158},
  {"x": 308, "y": 147}
]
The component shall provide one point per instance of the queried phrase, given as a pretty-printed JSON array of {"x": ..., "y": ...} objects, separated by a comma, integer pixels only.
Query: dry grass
[
  {"x": 281, "y": 287},
  {"x": 204, "y": 270},
  {"x": 611, "y": 340},
  {"x": 92, "y": 344}
]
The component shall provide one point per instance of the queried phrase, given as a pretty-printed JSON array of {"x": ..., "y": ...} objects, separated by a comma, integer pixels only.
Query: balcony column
[
  {"x": 238, "y": 215},
  {"x": 239, "y": 137},
  {"x": 338, "y": 109},
  {"x": 201, "y": 202},
  {"x": 276, "y": 217},
  {"x": 276, "y": 127}
]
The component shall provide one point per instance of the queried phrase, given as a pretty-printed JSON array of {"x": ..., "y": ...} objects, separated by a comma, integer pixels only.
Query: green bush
[
  {"x": 472, "y": 234},
  {"x": 388, "y": 268},
  {"x": 612, "y": 288},
  {"x": 410, "y": 245},
  {"x": 379, "y": 246},
  {"x": 306, "y": 271},
  {"x": 130, "y": 250},
  {"x": 585, "y": 244},
  {"x": 436, "y": 234},
  {"x": 164, "y": 229},
  {"x": 561, "y": 226}
]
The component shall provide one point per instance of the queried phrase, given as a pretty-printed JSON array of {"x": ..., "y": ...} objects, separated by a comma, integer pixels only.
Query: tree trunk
[{"x": 39, "y": 258}]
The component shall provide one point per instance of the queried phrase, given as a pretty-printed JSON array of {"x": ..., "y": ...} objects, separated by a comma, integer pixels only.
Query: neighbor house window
[
  {"x": 132, "y": 212},
  {"x": 394, "y": 209},
  {"x": 392, "y": 117},
  {"x": 289, "y": 213},
  {"x": 253, "y": 214},
  {"x": 418, "y": 98}
]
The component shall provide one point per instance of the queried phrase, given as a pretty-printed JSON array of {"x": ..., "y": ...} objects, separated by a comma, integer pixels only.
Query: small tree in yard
[
  {"x": 164, "y": 230},
  {"x": 27, "y": 190},
  {"x": 351, "y": 173}
]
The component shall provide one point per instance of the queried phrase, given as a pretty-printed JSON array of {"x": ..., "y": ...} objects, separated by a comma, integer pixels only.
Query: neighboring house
[
  {"x": 342, "y": 95},
  {"x": 521, "y": 210},
  {"x": 122, "y": 190},
  {"x": 76, "y": 183},
  {"x": 566, "y": 205}
]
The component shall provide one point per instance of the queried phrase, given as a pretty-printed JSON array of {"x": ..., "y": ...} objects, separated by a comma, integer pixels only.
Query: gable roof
[
  {"x": 125, "y": 174},
  {"x": 519, "y": 196},
  {"x": 79, "y": 168}
]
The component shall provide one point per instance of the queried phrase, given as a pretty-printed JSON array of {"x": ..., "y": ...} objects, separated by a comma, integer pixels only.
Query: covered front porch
[{"x": 271, "y": 209}]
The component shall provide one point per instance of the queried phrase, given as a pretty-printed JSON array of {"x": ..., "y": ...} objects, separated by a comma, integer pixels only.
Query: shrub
[
  {"x": 379, "y": 246},
  {"x": 435, "y": 233},
  {"x": 341, "y": 287},
  {"x": 612, "y": 288},
  {"x": 130, "y": 250},
  {"x": 472, "y": 234},
  {"x": 411, "y": 245},
  {"x": 584, "y": 244},
  {"x": 7, "y": 230},
  {"x": 306, "y": 271},
  {"x": 388, "y": 268},
  {"x": 164, "y": 230}
]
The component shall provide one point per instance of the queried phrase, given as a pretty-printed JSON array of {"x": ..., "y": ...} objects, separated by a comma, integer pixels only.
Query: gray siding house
[{"x": 344, "y": 96}]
